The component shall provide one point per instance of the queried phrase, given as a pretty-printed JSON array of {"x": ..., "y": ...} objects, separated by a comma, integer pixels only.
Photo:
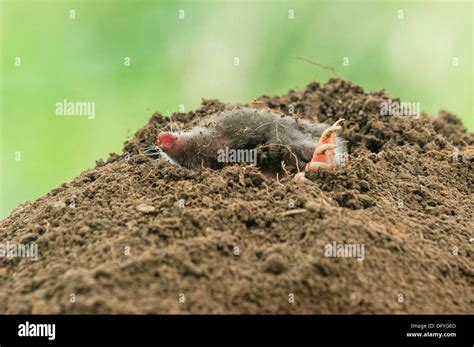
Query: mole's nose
[{"x": 166, "y": 141}]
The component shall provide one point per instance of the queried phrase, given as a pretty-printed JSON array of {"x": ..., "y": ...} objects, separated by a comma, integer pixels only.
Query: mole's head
[
  {"x": 171, "y": 143},
  {"x": 192, "y": 149}
]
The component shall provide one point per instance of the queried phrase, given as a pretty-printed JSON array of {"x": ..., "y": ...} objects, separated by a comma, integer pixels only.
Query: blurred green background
[{"x": 406, "y": 47}]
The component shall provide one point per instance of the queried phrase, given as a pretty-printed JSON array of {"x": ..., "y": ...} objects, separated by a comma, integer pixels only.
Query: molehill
[{"x": 139, "y": 235}]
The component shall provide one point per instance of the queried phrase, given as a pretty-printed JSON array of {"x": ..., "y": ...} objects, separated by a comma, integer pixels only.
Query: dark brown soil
[{"x": 406, "y": 193}]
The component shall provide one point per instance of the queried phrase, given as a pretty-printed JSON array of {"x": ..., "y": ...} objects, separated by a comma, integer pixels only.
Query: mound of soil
[{"x": 139, "y": 235}]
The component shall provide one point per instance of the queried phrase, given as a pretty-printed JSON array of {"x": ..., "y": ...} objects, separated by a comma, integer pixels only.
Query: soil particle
[
  {"x": 144, "y": 208},
  {"x": 275, "y": 264},
  {"x": 133, "y": 233}
]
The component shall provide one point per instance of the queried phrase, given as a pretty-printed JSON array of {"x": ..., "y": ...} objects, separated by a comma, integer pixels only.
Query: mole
[{"x": 257, "y": 136}]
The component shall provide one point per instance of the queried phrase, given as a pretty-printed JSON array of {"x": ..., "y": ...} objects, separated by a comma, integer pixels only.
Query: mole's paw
[
  {"x": 329, "y": 134},
  {"x": 299, "y": 177},
  {"x": 323, "y": 156}
]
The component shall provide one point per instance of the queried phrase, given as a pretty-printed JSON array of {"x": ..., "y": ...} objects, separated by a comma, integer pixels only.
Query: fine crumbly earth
[{"x": 119, "y": 238}]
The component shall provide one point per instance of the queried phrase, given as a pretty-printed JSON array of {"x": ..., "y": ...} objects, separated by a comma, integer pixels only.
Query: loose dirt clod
[
  {"x": 145, "y": 208},
  {"x": 237, "y": 241}
]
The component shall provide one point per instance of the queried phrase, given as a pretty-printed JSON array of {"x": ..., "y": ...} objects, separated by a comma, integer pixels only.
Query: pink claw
[{"x": 323, "y": 156}]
